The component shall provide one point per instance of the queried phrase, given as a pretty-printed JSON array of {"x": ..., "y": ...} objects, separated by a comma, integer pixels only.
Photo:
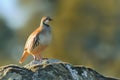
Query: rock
[{"x": 49, "y": 69}]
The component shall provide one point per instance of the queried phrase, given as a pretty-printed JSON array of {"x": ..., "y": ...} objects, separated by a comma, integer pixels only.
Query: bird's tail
[{"x": 24, "y": 56}]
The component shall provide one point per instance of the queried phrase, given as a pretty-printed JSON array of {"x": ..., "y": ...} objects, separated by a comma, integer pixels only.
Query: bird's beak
[{"x": 50, "y": 19}]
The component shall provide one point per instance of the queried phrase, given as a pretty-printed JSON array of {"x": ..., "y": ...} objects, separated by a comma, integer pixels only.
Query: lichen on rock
[{"x": 49, "y": 69}]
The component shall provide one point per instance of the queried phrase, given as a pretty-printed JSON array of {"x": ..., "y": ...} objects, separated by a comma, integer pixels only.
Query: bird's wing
[{"x": 32, "y": 42}]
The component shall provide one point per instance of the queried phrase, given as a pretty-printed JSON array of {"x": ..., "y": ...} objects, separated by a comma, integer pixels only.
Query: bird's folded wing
[{"x": 32, "y": 42}]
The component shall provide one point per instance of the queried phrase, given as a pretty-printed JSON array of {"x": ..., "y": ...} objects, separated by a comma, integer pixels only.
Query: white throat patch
[{"x": 46, "y": 21}]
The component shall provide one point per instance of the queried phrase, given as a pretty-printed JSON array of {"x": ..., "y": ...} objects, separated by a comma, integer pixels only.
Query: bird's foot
[{"x": 36, "y": 62}]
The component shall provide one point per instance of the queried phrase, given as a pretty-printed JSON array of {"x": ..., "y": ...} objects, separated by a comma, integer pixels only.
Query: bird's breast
[{"x": 45, "y": 38}]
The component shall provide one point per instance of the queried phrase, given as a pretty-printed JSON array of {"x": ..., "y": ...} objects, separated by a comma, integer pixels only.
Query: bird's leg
[
  {"x": 34, "y": 58},
  {"x": 40, "y": 58},
  {"x": 37, "y": 59}
]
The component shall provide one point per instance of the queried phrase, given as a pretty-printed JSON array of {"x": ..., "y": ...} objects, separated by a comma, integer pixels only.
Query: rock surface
[{"x": 49, "y": 69}]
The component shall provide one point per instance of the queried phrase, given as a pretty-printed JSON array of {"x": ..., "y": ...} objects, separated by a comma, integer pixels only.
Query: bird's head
[{"x": 45, "y": 20}]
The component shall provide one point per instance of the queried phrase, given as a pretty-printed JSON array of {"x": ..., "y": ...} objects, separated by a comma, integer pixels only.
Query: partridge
[{"x": 38, "y": 41}]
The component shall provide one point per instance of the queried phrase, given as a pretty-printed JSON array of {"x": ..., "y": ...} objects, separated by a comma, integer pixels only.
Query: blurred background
[{"x": 85, "y": 32}]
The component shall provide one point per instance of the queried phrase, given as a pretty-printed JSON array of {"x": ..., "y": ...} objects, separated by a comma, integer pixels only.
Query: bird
[{"x": 38, "y": 40}]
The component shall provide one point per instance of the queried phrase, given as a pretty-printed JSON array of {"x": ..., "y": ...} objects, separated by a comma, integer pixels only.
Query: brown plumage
[{"x": 38, "y": 40}]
